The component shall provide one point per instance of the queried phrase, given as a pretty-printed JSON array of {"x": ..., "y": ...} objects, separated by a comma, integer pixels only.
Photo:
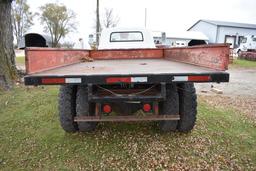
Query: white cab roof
[{"x": 106, "y": 43}]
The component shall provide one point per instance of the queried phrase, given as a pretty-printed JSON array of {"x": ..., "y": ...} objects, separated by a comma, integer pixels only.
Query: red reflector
[
  {"x": 118, "y": 80},
  {"x": 146, "y": 107},
  {"x": 53, "y": 80},
  {"x": 199, "y": 78},
  {"x": 107, "y": 109}
]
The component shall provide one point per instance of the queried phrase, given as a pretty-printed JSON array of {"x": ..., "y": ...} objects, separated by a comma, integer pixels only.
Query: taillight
[
  {"x": 199, "y": 78},
  {"x": 107, "y": 108},
  {"x": 146, "y": 107},
  {"x": 53, "y": 80}
]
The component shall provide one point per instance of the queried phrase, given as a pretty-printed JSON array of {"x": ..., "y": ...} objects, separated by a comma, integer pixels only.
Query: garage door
[{"x": 230, "y": 40}]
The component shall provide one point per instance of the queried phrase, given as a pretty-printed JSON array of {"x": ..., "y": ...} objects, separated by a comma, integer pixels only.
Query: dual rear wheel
[
  {"x": 73, "y": 101},
  {"x": 180, "y": 99}
]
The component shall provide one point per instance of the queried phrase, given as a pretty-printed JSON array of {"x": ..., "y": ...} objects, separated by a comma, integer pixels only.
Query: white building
[
  {"x": 182, "y": 38},
  {"x": 224, "y": 32}
]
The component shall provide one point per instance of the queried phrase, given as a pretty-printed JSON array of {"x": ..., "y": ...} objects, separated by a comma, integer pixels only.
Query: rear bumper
[{"x": 217, "y": 77}]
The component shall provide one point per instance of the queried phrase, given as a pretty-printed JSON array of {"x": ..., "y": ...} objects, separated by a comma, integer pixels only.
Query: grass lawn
[
  {"x": 20, "y": 59},
  {"x": 32, "y": 139},
  {"x": 243, "y": 63}
]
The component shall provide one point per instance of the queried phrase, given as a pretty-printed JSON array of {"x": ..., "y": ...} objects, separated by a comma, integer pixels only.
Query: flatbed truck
[{"x": 130, "y": 83}]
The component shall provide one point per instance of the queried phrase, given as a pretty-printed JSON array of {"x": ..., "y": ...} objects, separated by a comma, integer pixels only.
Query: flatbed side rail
[
  {"x": 210, "y": 56},
  {"x": 127, "y": 54},
  {"x": 42, "y": 59}
]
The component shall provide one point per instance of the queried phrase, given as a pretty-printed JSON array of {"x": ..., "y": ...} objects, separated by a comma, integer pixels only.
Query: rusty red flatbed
[
  {"x": 126, "y": 67},
  {"x": 99, "y": 70},
  {"x": 197, "y": 64}
]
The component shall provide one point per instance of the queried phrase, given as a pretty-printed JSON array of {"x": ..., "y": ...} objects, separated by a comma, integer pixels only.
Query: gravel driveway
[
  {"x": 242, "y": 83},
  {"x": 239, "y": 93}
]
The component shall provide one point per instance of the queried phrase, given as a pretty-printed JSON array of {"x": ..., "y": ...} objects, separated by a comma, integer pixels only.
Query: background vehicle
[
  {"x": 180, "y": 44},
  {"x": 113, "y": 84},
  {"x": 248, "y": 44}
]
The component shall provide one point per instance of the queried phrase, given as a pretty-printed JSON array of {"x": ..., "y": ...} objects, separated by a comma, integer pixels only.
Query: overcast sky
[{"x": 162, "y": 15}]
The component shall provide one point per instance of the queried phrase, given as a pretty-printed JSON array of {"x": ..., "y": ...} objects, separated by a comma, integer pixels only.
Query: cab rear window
[{"x": 126, "y": 36}]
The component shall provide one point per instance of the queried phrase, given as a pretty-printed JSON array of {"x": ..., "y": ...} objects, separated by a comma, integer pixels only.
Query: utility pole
[
  {"x": 97, "y": 23},
  {"x": 145, "y": 17}
]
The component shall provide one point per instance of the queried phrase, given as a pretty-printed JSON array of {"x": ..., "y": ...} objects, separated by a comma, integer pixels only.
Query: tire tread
[
  {"x": 188, "y": 107},
  {"x": 67, "y": 105}
]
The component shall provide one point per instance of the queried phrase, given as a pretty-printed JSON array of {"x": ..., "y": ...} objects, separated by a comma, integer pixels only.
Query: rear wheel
[
  {"x": 84, "y": 108},
  {"x": 67, "y": 108},
  {"x": 169, "y": 107},
  {"x": 187, "y": 107}
]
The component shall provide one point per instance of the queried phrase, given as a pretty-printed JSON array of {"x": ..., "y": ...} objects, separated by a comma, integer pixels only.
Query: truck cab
[
  {"x": 126, "y": 38},
  {"x": 248, "y": 43}
]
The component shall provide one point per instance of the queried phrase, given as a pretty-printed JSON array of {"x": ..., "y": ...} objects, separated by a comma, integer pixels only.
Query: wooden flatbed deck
[{"x": 126, "y": 67}]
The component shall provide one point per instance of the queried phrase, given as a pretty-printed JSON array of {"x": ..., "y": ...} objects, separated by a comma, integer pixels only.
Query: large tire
[
  {"x": 169, "y": 107},
  {"x": 84, "y": 108},
  {"x": 188, "y": 107},
  {"x": 67, "y": 108}
]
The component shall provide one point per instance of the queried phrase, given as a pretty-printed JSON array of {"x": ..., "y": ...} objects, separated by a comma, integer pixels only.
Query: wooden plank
[
  {"x": 217, "y": 91},
  {"x": 126, "y": 67}
]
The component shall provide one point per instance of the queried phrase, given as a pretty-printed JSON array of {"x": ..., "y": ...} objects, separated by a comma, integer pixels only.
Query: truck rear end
[{"x": 120, "y": 85}]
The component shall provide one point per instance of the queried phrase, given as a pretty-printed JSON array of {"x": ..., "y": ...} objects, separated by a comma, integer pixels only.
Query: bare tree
[
  {"x": 67, "y": 45},
  {"x": 98, "y": 25},
  {"x": 22, "y": 18},
  {"x": 58, "y": 20},
  {"x": 7, "y": 56},
  {"x": 109, "y": 19}
]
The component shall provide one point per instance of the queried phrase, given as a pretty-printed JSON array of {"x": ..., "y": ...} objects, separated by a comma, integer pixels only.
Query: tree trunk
[{"x": 8, "y": 71}]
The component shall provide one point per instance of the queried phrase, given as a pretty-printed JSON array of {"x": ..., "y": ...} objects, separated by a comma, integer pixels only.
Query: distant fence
[
  {"x": 248, "y": 56},
  {"x": 231, "y": 55}
]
